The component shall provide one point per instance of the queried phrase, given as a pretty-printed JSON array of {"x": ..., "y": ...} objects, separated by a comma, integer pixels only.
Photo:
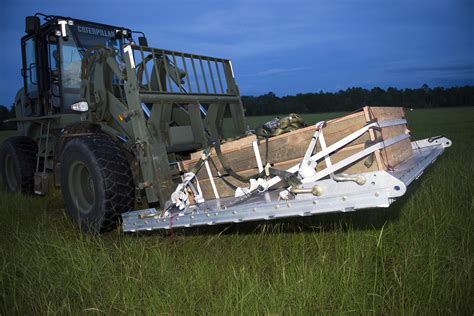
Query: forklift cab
[{"x": 52, "y": 56}]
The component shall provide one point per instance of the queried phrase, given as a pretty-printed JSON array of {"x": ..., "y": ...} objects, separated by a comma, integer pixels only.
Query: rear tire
[
  {"x": 18, "y": 164},
  {"x": 96, "y": 182}
]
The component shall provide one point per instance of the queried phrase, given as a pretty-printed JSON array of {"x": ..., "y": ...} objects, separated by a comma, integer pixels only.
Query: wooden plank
[
  {"x": 392, "y": 131},
  {"x": 385, "y": 113},
  {"x": 338, "y": 129},
  {"x": 345, "y": 117},
  {"x": 378, "y": 157},
  {"x": 397, "y": 153},
  {"x": 229, "y": 146}
]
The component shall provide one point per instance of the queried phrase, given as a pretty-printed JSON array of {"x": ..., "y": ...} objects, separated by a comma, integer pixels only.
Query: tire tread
[{"x": 25, "y": 151}]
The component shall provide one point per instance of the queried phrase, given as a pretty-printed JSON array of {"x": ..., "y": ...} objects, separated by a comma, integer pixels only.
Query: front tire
[
  {"x": 96, "y": 182},
  {"x": 18, "y": 164}
]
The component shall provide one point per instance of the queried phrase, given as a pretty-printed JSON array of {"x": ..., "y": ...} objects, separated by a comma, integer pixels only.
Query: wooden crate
[{"x": 286, "y": 150}]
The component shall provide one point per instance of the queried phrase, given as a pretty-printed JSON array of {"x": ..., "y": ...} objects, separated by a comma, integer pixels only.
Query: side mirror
[
  {"x": 142, "y": 41},
  {"x": 32, "y": 24},
  {"x": 32, "y": 73}
]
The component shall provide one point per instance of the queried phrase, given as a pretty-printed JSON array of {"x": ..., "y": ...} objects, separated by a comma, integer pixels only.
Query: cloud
[
  {"x": 273, "y": 72},
  {"x": 277, "y": 71}
]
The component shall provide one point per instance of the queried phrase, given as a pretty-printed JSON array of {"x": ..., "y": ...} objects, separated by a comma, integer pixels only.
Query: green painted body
[{"x": 150, "y": 101}]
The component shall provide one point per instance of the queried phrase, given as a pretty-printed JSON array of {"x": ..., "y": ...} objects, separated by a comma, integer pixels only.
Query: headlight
[{"x": 80, "y": 106}]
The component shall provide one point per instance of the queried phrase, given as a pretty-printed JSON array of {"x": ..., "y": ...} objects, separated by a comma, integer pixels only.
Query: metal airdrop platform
[{"x": 335, "y": 193}]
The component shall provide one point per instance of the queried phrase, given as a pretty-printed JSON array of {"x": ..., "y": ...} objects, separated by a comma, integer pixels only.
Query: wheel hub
[{"x": 81, "y": 187}]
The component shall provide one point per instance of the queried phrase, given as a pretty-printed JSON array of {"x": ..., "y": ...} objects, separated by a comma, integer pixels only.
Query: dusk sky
[{"x": 286, "y": 47}]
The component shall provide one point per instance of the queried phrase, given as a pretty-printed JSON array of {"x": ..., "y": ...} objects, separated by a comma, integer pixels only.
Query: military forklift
[
  {"x": 108, "y": 120},
  {"x": 91, "y": 124}
]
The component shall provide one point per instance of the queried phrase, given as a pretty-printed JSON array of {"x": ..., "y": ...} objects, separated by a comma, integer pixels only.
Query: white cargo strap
[
  {"x": 209, "y": 174},
  {"x": 307, "y": 166},
  {"x": 327, "y": 159},
  {"x": 257, "y": 155},
  {"x": 314, "y": 139},
  {"x": 211, "y": 179}
]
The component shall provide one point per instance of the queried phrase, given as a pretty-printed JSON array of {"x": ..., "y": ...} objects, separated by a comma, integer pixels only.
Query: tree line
[{"x": 354, "y": 98}]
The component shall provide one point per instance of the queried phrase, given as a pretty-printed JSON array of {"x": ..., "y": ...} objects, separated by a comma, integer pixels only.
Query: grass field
[{"x": 414, "y": 258}]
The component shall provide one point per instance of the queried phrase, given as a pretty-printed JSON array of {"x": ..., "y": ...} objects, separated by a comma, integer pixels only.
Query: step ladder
[{"x": 41, "y": 177}]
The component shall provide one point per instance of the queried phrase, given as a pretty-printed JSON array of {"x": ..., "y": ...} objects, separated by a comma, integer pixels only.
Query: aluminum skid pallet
[{"x": 323, "y": 191}]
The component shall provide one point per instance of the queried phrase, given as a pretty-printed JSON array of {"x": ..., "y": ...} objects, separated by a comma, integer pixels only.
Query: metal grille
[{"x": 164, "y": 71}]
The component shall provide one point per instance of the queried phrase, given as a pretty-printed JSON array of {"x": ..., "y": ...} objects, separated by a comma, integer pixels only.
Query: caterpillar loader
[{"x": 115, "y": 124}]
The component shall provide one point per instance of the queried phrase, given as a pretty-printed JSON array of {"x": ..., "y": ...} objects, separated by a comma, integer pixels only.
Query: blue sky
[{"x": 286, "y": 47}]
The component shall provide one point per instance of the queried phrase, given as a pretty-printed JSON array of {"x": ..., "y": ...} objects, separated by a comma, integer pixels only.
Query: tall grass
[{"x": 415, "y": 257}]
